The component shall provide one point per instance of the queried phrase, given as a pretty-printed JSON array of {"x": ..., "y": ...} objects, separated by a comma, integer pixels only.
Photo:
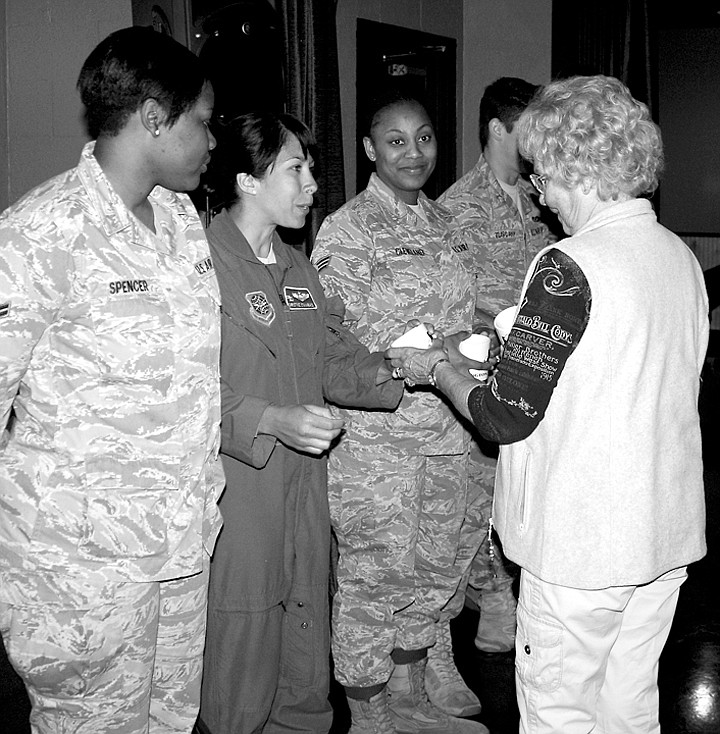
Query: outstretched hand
[
  {"x": 421, "y": 342},
  {"x": 415, "y": 364},
  {"x": 462, "y": 363}
]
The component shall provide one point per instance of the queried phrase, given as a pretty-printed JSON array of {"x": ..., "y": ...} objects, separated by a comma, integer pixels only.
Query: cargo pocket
[
  {"x": 127, "y": 523},
  {"x": 126, "y": 509},
  {"x": 539, "y": 652},
  {"x": 304, "y": 637}
]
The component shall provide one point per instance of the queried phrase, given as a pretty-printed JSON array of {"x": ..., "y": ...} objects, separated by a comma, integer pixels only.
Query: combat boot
[
  {"x": 371, "y": 716},
  {"x": 498, "y": 619},
  {"x": 411, "y": 711},
  {"x": 443, "y": 683}
]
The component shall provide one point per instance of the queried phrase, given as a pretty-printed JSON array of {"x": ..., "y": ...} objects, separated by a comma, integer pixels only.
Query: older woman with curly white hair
[{"x": 599, "y": 494}]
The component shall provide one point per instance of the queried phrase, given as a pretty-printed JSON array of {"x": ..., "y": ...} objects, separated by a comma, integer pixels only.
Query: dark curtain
[
  {"x": 313, "y": 95},
  {"x": 613, "y": 37}
]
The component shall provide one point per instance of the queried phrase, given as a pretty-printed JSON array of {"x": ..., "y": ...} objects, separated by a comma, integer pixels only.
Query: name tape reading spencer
[{"x": 128, "y": 286}]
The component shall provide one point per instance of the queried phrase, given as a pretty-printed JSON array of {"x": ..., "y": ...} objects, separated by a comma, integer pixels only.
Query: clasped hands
[{"x": 415, "y": 366}]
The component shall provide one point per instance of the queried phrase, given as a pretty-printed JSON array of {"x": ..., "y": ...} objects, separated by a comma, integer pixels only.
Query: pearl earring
[{"x": 156, "y": 132}]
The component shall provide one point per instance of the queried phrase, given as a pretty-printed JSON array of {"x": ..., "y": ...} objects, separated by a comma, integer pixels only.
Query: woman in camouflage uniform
[
  {"x": 109, "y": 347},
  {"x": 398, "y": 481}
]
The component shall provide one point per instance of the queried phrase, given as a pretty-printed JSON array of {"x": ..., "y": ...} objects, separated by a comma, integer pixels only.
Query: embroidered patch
[
  {"x": 204, "y": 266},
  {"x": 4, "y": 309},
  {"x": 298, "y": 299},
  {"x": 322, "y": 262},
  {"x": 260, "y": 308}
]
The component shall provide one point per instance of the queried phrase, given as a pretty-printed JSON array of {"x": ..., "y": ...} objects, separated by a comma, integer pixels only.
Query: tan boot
[
  {"x": 443, "y": 683},
  {"x": 498, "y": 619},
  {"x": 411, "y": 711},
  {"x": 371, "y": 716}
]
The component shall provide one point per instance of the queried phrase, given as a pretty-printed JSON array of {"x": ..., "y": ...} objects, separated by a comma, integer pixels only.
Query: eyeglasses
[{"x": 539, "y": 182}]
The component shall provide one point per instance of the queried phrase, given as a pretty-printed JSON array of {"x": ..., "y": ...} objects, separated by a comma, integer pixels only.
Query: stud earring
[{"x": 156, "y": 132}]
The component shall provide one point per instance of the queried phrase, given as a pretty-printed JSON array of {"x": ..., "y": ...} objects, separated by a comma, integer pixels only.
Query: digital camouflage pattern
[
  {"x": 388, "y": 265},
  {"x": 474, "y": 534},
  {"x": 109, "y": 344},
  {"x": 502, "y": 243},
  {"x": 88, "y": 650},
  {"x": 397, "y": 481},
  {"x": 397, "y": 519}
]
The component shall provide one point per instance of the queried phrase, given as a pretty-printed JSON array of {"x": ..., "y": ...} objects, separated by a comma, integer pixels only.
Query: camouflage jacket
[
  {"x": 502, "y": 243},
  {"x": 389, "y": 265},
  {"x": 109, "y": 346}
]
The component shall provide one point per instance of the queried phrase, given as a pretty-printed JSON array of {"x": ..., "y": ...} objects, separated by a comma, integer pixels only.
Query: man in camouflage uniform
[
  {"x": 500, "y": 221},
  {"x": 109, "y": 344}
]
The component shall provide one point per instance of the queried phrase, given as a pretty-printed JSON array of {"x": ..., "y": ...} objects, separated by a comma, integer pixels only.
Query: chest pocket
[
  {"x": 403, "y": 275},
  {"x": 134, "y": 340},
  {"x": 248, "y": 355},
  {"x": 415, "y": 282},
  {"x": 302, "y": 313}
]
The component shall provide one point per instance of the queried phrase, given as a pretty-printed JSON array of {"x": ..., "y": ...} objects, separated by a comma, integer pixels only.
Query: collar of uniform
[
  {"x": 486, "y": 175},
  {"x": 527, "y": 193},
  {"x": 227, "y": 234},
  {"x": 113, "y": 215},
  {"x": 389, "y": 198}
]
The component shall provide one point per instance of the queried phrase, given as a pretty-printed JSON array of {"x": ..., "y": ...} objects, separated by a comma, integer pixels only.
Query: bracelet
[{"x": 431, "y": 376}]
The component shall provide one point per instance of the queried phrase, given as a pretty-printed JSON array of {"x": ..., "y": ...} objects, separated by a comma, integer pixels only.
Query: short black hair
[
  {"x": 131, "y": 66},
  {"x": 250, "y": 143},
  {"x": 383, "y": 101},
  {"x": 505, "y": 99}
]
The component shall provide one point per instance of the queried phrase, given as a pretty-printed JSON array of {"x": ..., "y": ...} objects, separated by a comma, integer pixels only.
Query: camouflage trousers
[
  {"x": 486, "y": 571},
  {"x": 398, "y": 521},
  {"x": 106, "y": 657}
]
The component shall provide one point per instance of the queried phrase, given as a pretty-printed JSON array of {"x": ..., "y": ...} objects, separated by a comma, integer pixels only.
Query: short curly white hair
[{"x": 590, "y": 129}]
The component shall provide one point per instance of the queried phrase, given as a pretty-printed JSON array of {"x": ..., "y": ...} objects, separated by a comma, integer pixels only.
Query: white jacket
[{"x": 608, "y": 489}]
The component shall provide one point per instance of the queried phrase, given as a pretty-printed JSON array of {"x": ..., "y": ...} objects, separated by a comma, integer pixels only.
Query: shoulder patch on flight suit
[
  {"x": 299, "y": 299},
  {"x": 260, "y": 308}
]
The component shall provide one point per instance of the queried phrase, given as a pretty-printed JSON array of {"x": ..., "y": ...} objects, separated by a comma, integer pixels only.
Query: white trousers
[{"x": 587, "y": 660}]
